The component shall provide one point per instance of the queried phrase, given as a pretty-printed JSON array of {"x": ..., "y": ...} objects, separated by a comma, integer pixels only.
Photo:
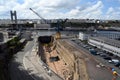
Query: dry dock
[{"x": 65, "y": 62}]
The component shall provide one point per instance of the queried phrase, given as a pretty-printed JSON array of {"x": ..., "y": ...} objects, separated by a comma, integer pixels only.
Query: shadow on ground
[{"x": 18, "y": 72}]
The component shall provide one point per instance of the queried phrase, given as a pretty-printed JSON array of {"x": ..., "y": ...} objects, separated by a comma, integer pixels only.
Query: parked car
[
  {"x": 107, "y": 58},
  {"x": 117, "y": 64},
  {"x": 103, "y": 55},
  {"x": 98, "y": 53},
  {"x": 85, "y": 46},
  {"x": 88, "y": 47},
  {"x": 92, "y": 51},
  {"x": 114, "y": 61},
  {"x": 73, "y": 40},
  {"x": 110, "y": 54}
]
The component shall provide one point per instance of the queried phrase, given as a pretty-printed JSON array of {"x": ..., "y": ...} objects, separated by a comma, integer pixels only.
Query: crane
[
  {"x": 38, "y": 15},
  {"x": 59, "y": 27},
  {"x": 59, "y": 24}
]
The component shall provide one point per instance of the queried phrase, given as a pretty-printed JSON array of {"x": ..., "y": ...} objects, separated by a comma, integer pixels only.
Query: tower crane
[{"x": 59, "y": 24}]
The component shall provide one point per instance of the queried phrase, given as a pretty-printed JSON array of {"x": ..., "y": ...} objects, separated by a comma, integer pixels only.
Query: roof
[{"x": 107, "y": 41}]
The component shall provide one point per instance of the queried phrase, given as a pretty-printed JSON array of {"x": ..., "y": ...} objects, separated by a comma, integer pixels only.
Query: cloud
[
  {"x": 58, "y": 4},
  {"x": 43, "y": 7},
  {"x": 113, "y": 13},
  {"x": 110, "y": 10},
  {"x": 91, "y": 11},
  {"x": 74, "y": 10},
  {"x": 56, "y": 9}
]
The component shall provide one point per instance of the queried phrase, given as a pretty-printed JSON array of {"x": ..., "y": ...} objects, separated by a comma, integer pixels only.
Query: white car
[
  {"x": 114, "y": 61},
  {"x": 98, "y": 53}
]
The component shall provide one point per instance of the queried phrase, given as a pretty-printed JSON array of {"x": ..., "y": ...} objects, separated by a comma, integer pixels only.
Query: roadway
[
  {"x": 36, "y": 67},
  {"x": 16, "y": 68},
  {"x": 26, "y": 66},
  {"x": 94, "y": 72}
]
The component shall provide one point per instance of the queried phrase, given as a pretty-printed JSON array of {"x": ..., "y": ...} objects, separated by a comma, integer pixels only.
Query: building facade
[
  {"x": 107, "y": 34},
  {"x": 83, "y": 36},
  {"x": 110, "y": 45}
]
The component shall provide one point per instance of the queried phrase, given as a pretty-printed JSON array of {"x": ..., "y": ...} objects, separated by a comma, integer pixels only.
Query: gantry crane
[{"x": 59, "y": 25}]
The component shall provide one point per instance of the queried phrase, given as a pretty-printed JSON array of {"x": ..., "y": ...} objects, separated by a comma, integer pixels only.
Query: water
[{"x": 48, "y": 33}]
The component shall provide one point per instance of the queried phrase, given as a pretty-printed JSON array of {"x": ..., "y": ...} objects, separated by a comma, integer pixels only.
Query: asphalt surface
[
  {"x": 16, "y": 68},
  {"x": 94, "y": 72},
  {"x": 33, "y": 63},
  {"x": 97, "y": 73},
  {"x": 100, "y": 58}
]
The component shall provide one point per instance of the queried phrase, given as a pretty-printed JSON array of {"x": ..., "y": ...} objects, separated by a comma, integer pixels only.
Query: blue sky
[
  {"x": 20, "y": 1},
  {"x": 50, "y": 9}
]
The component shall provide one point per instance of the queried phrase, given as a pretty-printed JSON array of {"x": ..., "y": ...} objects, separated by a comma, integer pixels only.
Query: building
[
  {"x": 110, "y": 45},
  {"x": 42, "y": 26},
  {"x": 82, "y": 20},
  {"x": 83, "y": 36},
  {"x": 3, "y": 36},
  {"x": 108, "y": 34}
]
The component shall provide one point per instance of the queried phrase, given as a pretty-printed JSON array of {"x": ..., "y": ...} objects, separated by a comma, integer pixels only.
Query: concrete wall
[
  {"x": 67, "y": 57},
  {"x": 72, "y": 57}
]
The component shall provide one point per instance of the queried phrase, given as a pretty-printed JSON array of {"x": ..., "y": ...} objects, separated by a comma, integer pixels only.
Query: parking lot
[{"x": 102, "y": 56}]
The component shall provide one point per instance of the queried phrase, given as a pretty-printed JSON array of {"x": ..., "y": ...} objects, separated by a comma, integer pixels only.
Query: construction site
[
  {"x": 71, "y": 62},
  {"x": 62, "y": 58},
  {"x": 60, "y": 54}
]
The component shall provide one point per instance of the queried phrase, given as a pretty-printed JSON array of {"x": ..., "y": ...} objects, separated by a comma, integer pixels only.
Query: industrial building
[
  {"x": 83, "y": 36},
  {"x": 108, "y": 34},
  {"x": 110, "y": 45}
]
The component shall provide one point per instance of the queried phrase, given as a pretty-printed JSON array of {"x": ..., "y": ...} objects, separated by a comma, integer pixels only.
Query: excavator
[{"x": 59, "y": 24}]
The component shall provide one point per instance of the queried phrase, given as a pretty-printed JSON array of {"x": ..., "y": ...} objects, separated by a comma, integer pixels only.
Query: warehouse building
[
  {"x": 110, "y": 45},
  {"x": 108, "y": 34}
]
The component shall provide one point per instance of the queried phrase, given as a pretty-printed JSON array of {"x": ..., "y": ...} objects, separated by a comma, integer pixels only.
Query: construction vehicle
[{"x": 59, "y": 24}]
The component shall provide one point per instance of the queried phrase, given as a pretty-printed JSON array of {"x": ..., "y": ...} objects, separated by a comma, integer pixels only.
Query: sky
[{"x": 55, "y": 9}]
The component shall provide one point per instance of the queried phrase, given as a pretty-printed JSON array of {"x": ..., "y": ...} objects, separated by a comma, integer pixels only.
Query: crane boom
[
  {"x": 59, "y": 24},
  {"x": 37, "y": 14}
]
